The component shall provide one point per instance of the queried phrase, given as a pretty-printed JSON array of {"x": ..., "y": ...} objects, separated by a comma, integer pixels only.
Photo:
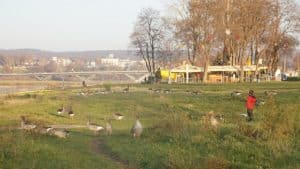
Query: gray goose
[
  {"x": 61, "y": 110},
  {"x": 71, "y": 113},
  {"x": 213, "y": 121},
  {"x": 137, "y": 129},
  {"x": 61, "y": 133},
  {"x": 126, "y": 90},
  {"x": 236, "y": 93},
  {"x": 25, "y": 125},
  {"x": 118, "y": 116},
  {"x": 94, "y": 127},
  {"x": 271, "y": 92}
]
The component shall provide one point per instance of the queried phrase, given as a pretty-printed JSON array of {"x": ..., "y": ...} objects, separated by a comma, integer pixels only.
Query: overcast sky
[{"x": 70, "y": 24}]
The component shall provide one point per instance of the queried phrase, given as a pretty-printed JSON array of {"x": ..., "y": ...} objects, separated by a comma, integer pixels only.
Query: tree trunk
[
  {"x": 206, "y": 64},
  {"x": 205, "y": 75},
  {"x": 242, "y": 65}
]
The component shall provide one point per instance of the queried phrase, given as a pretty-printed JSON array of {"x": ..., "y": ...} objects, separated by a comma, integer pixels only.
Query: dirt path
[{"x": 99, "y": 147}]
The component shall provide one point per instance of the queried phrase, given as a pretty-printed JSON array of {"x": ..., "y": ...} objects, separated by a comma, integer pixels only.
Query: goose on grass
[
  {"x": 61, "y": 110},
  {"x": 236, "y": 93},
  {"x": 213, "y": 120},
  {"x": 61, "y": 133},
  {"x": 126, "y": 90},
  {"x": 137, "y": 128},
  {"x": 94, "y": 127},
  {"x": 118, "y": 116},
  {"x": 271, "y": 93},
  {"x": 25, "y": 125},
  {"x": 71, "y": 113}
]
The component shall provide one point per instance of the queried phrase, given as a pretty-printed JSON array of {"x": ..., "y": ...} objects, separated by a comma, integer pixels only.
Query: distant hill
[{"x": 95, "y": 53}]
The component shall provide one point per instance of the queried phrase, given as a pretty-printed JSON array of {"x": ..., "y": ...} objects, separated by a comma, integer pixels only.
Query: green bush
[
  {"x": 107, "y": 87},
  {"x": 293, "y": 79}
]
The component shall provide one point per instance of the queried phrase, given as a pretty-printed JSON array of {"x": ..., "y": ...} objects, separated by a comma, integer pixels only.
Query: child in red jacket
[{"x": 251, "y": 100}]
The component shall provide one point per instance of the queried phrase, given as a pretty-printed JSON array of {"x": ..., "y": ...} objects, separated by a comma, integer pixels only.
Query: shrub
[
  {"x": 293, "y": 79},
  {"x": 107, "y": 87}
]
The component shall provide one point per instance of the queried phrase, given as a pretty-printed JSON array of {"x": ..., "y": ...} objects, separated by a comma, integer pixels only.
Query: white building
[
  {"x": 110, "y": 60},
  {"x": 91, "y": 64},
  {"x": 55, "y": 59},
  {"x": 66, "y": 62},
  {"x": 126, "y": 63}
]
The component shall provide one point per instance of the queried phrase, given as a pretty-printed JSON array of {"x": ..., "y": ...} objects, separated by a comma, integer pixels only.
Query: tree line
[{"x": 218, "y": 32}]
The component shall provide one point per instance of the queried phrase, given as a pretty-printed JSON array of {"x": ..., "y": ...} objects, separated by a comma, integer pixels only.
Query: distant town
[{"x": 27, "y": 61}]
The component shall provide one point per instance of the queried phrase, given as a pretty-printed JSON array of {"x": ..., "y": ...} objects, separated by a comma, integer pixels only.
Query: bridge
[{"x": 129, "y": 76}]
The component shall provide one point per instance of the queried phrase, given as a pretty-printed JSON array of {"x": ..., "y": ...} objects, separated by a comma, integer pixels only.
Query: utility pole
[{"x": 284, "y": 64}]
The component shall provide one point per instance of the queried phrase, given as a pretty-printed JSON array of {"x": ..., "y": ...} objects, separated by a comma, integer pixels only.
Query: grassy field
[{"x": 177, "y": 132}]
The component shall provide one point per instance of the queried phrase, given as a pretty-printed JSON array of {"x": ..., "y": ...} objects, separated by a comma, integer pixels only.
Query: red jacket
[{"x": 251, "y": 100}]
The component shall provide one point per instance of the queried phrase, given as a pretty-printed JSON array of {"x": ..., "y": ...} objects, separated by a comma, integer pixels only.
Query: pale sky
[
  {"x": 69, "y": 24},
  {"x": 64, "y": 25}
]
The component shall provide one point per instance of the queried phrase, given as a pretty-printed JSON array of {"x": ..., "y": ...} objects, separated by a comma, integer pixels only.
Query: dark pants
[{"x": 250, "y": 114}]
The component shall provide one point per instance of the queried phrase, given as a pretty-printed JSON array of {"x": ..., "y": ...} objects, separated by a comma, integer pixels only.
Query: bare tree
[
  {"x": 170, "y": 50},
  {"x": 147, "y": 36},
  {"x": 51, "y": 67},
  {"x": 242, "y": 30},
  {"x": 197, "y": 29},
  {"x": 8, "y": 63},
  {"x": 258, "y": 28},
  {"x": 284, "y": 22},
  {"x": 187, "y": 30}
]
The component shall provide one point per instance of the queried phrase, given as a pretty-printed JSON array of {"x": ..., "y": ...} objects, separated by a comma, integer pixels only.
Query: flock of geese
[
  {"x": 136, "y": 129},
  {"x": 68, "y": 110},
  {"x": 127, "y": 89},
  {"x": 90, "y": 93}
]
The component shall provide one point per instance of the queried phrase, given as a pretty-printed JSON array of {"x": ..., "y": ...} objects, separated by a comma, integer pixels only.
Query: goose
[
  {"x": 167, "y": 91},
  {"x": 126, "y": 90},
  {"x": 61, "y": 133},
  {"x": 71, "y": 113},
  {"x": 213, "y": 121},
  {"x": 244, "y": 114},
  {"x": 157, "y": 90},
  {"x": 45, "y": 130},
  {"x": 61, "y": 110},
  {"x": 108, "y": 128},
  {"x": 260, "y": 102},
  {"x": 236, "y": 93},
  {"x": 195, "y": 92},
  {"x": 118, "y": 116},
  {"x": 271, "y": 92},
  {"x": 84, "y": 84},
  {"x": 94, "y": 127},
  {"x": 103, "y": 92},
  {"x": 136, "y": 129},
  {"x": 25, "y": 125}
]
